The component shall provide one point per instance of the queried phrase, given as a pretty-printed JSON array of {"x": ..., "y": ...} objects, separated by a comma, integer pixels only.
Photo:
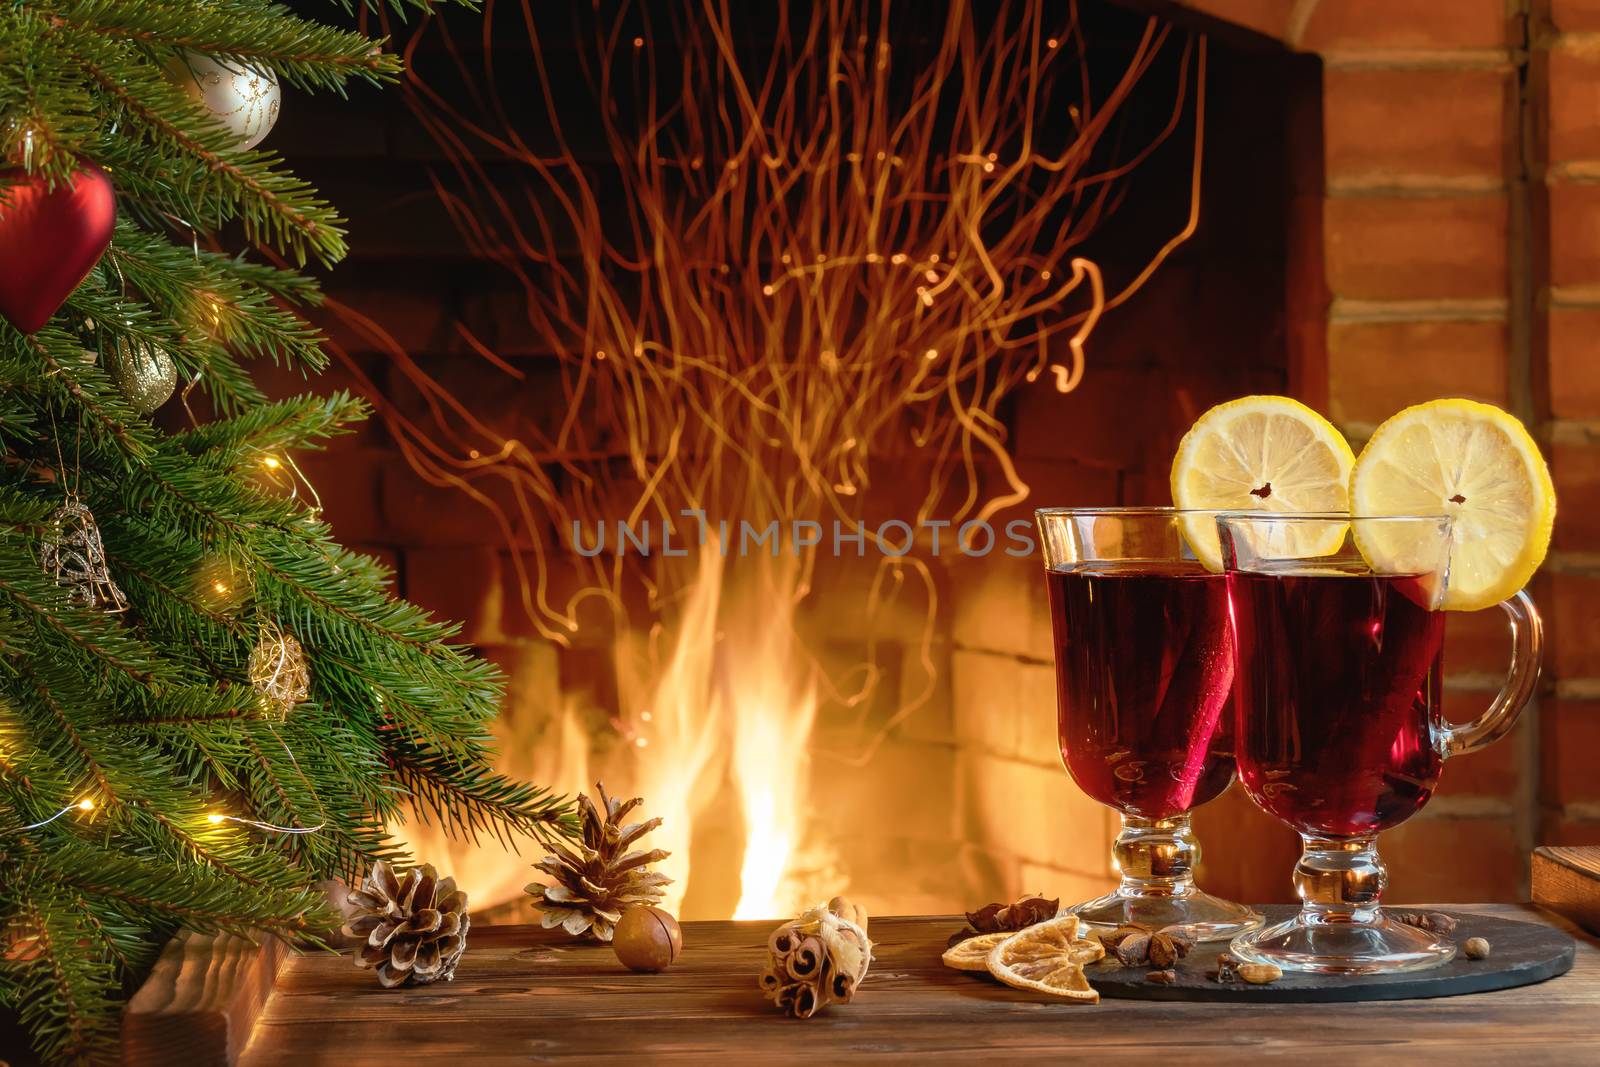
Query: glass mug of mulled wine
[
  {"x": 1338, "y": 642},
  {"x": 1144, "y": 675}
]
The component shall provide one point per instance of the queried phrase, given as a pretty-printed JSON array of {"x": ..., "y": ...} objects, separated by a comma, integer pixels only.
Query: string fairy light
[
  {"x": 82, "y": 805},
  {"x": 283, "y": 473},
  {"x": 217, "y": 818}
]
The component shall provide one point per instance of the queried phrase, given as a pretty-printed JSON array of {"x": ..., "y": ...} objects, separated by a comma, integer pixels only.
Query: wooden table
[{"x": 522, "y": 995}]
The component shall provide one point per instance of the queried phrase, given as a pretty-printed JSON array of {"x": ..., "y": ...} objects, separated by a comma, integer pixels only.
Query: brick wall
[{"x": 1567, "y": 63}]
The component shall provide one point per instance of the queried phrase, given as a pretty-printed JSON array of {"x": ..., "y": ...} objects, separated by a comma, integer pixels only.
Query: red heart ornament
[{"x": 49, "y": 241}]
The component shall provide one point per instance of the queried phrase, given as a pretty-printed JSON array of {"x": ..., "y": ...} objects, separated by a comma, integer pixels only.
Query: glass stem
[
  {"x": 1339, "y": 880},
  {"x": 1156, "y": 857}
]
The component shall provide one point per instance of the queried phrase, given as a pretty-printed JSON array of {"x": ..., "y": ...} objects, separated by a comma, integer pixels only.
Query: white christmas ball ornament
[{"x": 244, "y": 99}]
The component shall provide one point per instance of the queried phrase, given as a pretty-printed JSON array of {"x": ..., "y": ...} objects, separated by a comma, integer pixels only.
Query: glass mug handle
[{"x": 1527, "y": 649}]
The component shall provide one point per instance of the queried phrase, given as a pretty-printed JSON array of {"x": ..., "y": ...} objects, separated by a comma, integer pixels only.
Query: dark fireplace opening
[{"x": 928, "y": 677}]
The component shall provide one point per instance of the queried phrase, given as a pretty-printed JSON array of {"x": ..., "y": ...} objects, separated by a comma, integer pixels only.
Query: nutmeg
[
  {"x": 647, "y": 939},
  {"x": 1476, "y": 948},
  {"x": 1259, "y": 973}
]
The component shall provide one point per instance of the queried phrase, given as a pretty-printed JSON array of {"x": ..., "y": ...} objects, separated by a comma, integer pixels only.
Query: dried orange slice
[
  {"x": 973, "y": 953},
  {"x": 1048, "y": 958}
]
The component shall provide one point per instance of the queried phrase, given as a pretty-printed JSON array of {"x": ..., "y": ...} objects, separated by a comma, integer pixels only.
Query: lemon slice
[
  {"x": 1262, "y": 453},
  {"x": 973, "y": 953},
  {"x": 1048, "y": 958},
  {"x": 1474, "y": 463}
]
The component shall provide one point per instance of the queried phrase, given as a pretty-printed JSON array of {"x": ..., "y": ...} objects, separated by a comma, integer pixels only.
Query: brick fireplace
[{"x": 1401, "y": 200}]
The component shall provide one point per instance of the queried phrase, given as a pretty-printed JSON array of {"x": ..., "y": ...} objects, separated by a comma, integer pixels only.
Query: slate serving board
[{"x": 1523, "y": 953}]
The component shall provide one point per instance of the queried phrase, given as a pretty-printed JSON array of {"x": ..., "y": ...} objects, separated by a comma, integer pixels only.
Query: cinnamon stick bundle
[{"x": 817, "y": 959}]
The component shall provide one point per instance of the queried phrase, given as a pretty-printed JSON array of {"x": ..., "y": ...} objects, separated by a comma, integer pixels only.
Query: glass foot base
[
  {"x": 1203, "y": 916},
  {"x": 1381, "y": 946}
]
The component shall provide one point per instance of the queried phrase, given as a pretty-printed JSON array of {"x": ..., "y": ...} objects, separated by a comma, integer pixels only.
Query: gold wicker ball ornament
[{"x": 278, "y": 670}]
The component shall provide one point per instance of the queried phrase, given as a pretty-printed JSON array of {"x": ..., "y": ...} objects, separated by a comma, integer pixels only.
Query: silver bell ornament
[
  {"x": 72, "y": 555},
  {"x": 245, "y": 99},
  {"x": 144, "y": 373}
]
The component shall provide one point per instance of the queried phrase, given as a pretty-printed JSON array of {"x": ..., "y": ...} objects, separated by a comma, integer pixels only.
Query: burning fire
[
  {"x": 825, "y": 255},
  {"x": 773, "y": 703}
]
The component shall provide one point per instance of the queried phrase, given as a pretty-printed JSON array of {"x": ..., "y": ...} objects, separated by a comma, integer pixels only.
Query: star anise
[
  {"x": 995, "y": 918},
  {"x": 1136, "y": 945},
  {"x": 1005, "y": 918}
]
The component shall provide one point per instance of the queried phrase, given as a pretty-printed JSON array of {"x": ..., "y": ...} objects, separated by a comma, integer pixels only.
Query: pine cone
[
  {"x": 599, "y": 880},
  {"x": 414, "y": 926}
]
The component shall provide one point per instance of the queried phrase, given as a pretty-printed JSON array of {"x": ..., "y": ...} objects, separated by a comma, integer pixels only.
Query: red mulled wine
[
  {"x": 1144, "y": 668},
  {"x": 1338, "y": 697}
]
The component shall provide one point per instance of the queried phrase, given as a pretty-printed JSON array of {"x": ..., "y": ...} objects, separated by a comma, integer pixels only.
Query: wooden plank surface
[
  {"x": 521, "y": 995},
  {"x": 200, "y": 1003},
  {"x": 1566, "y": 880}
]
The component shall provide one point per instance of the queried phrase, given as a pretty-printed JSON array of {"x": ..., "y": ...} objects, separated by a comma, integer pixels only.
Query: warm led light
[
  {"x": 214, "y": 818},
  {"x": 271, "y": 463},
  {"x": 85, "y": 804},
  {"x": 222, "y": 590}
]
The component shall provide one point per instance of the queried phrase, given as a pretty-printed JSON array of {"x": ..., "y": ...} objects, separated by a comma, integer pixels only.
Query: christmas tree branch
[
  {"x": 307, "y": 54},
  {"x": 156, "y": 772},
  {"x": 197, "y": 286},
  {"x": 468, "y": 799},
  {"x": 276, "y": 207},
  {"x": 62, "y": 992}
]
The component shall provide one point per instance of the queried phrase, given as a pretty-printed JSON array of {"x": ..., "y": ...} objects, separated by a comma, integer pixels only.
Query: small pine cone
[
  {"x": 412, "y": 926},
  {"x": 598, "y": 878}
]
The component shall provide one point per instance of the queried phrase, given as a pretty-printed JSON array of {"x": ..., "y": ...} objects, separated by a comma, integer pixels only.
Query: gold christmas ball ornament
[
  {"x": 279, "y": 671},
  {"x": 144, "y": 373},
  {"x": 245, "y": 99},
  {"x": 647, "y": 939}
]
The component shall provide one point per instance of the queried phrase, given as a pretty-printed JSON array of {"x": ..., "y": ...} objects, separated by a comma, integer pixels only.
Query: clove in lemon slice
[
  {"x": 1262, "y": 453},
  {"x": 1474, "y": 463}
]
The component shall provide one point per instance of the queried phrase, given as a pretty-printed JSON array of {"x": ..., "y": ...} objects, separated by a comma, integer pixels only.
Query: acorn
[{"x": 647, "y": 939}]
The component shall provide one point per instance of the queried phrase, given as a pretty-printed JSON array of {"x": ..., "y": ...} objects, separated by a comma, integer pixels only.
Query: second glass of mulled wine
[
  {"x": 1144, "y": 669},
  {"x": 1338, "y": 642}
]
